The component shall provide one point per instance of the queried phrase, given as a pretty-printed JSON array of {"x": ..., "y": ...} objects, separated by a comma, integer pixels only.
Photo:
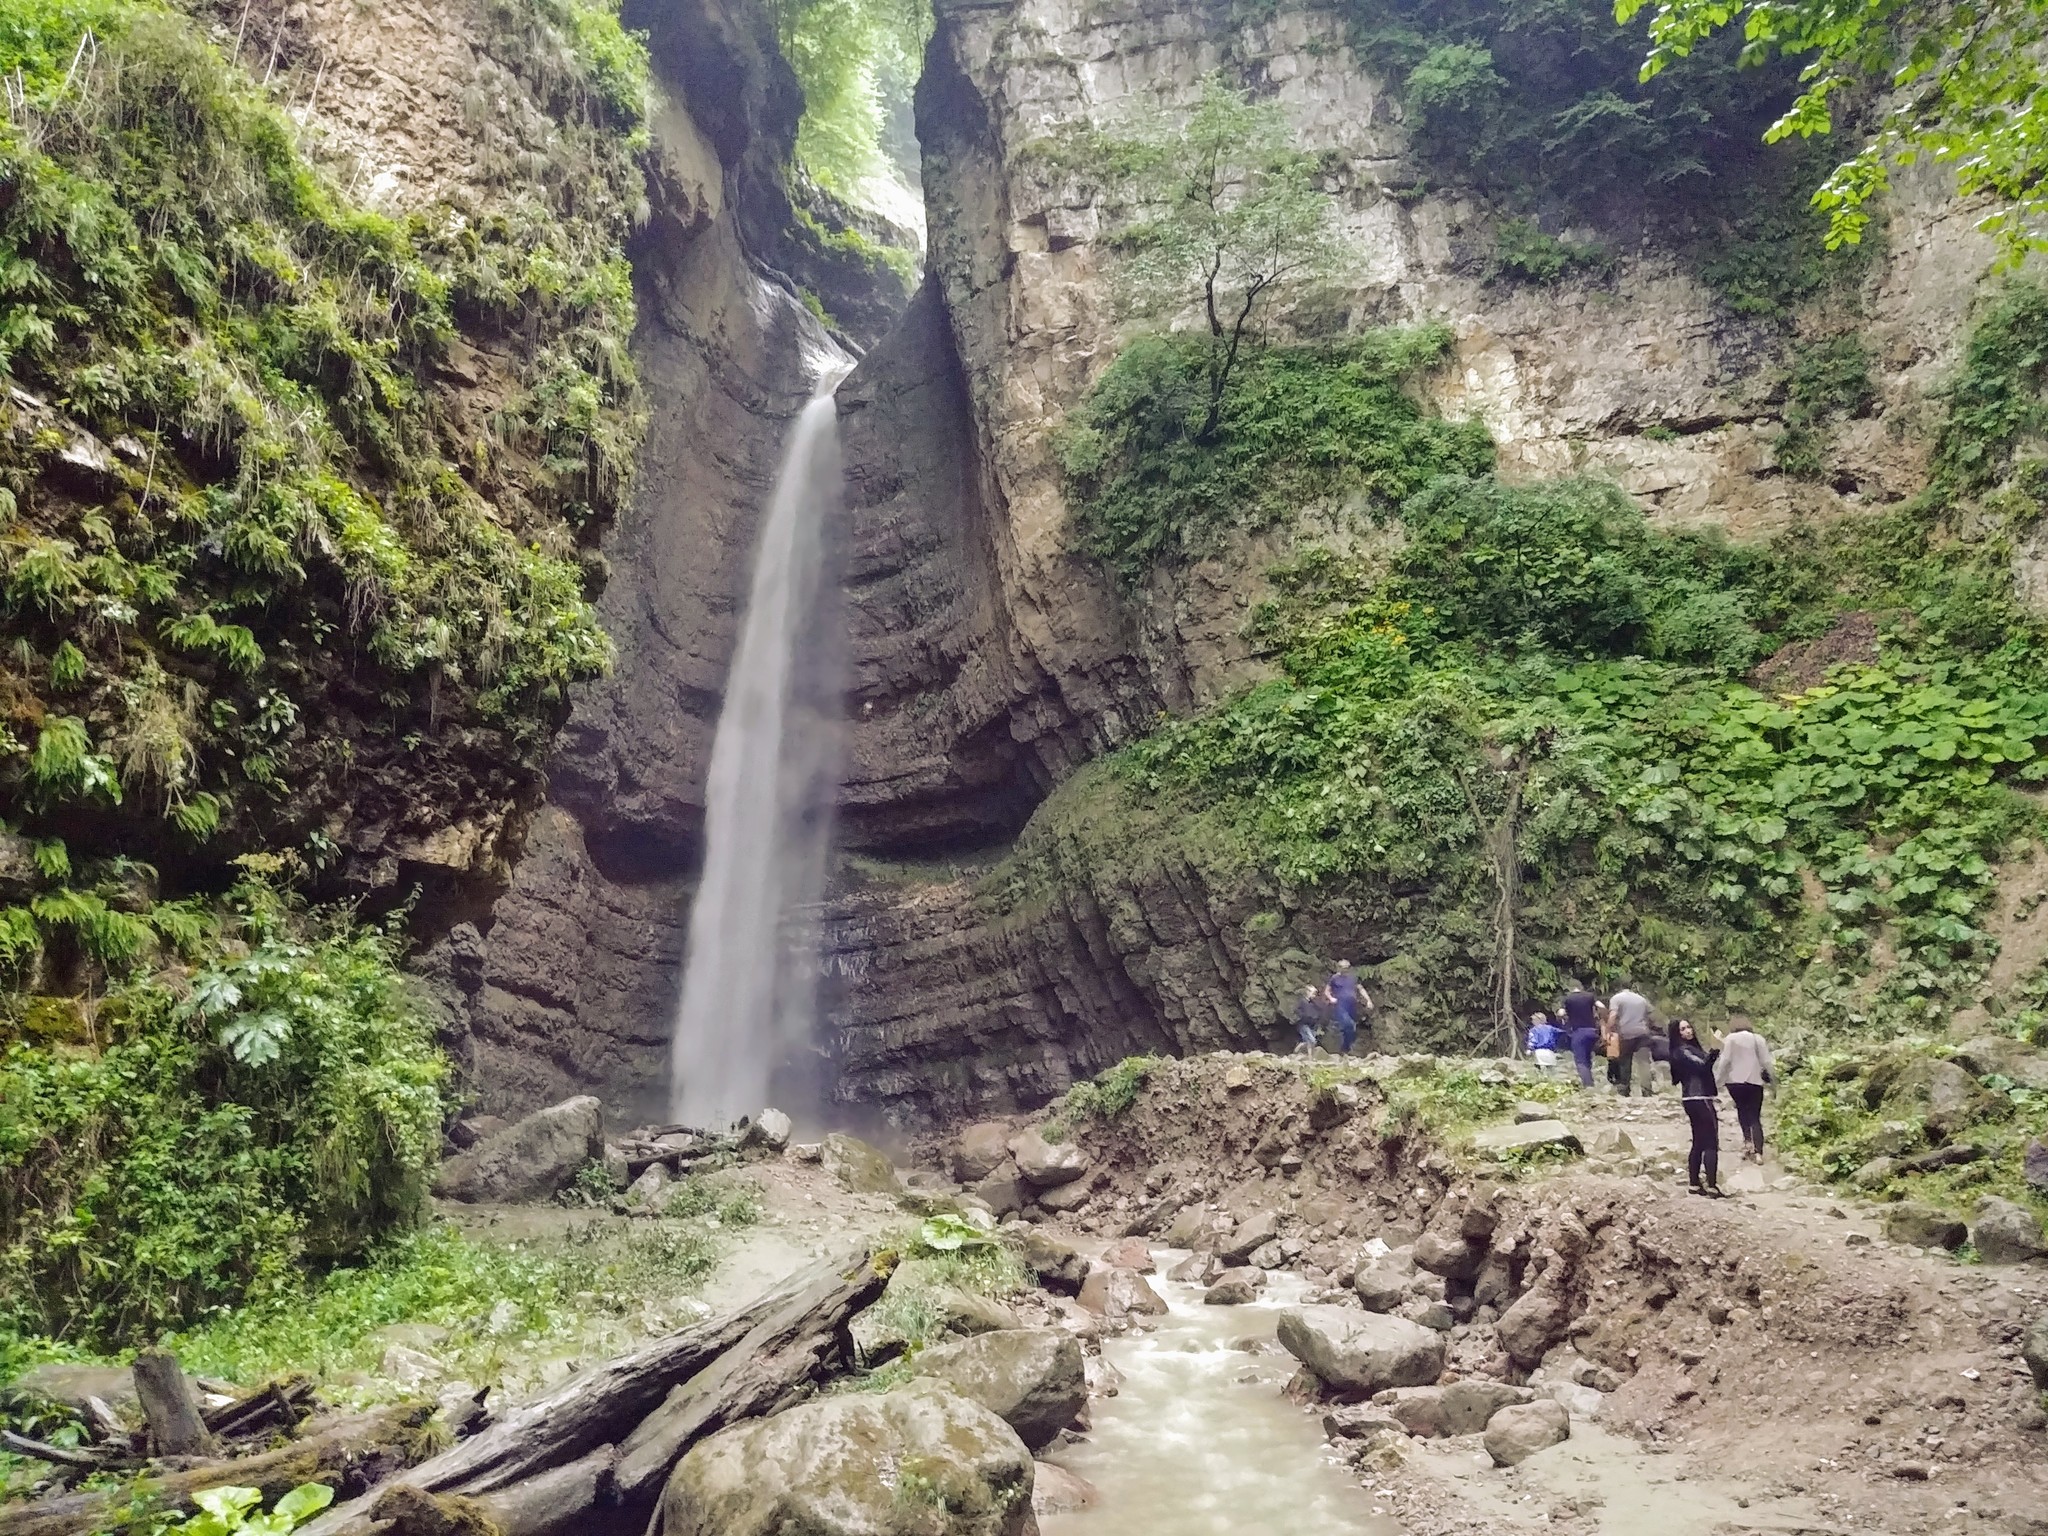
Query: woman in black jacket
[{"x": 1692, "y": 1068}]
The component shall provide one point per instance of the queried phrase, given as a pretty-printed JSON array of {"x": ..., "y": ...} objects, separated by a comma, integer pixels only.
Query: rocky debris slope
[{"x": 1451, "y": 1296}]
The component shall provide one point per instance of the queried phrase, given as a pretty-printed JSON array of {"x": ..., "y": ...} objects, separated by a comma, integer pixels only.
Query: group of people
[
  {"x": 1622, "y": 1029},
  {"x": 1342, "y": 995}
]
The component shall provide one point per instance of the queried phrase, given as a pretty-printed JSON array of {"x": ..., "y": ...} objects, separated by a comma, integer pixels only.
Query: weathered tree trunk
[
  {"x": 175, "y": 1425},
  {"x": 348, "y": 1455},
  {"x": 751, "y": 1361},
  {"x": 555, "y": 1501}
]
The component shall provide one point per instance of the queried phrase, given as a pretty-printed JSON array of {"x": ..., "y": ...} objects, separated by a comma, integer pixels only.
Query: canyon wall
[{"x": 991, "y": 659}]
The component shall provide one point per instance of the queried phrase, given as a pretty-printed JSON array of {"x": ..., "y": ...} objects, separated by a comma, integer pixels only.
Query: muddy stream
[{"x": 1198, "y": 1439}]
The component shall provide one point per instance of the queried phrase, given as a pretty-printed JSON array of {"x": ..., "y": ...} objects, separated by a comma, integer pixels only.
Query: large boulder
[
  {"x": 921, "y": 1459},
  {"x": 770, "y": 1131},
  {"x": 2003, "y": 1056},
  {"x": 1231, "y": 1289},
  {"x": 1923, "y": 1226},
  {"x": 860, "y": 1168},
  {"x": 1947, "y": 1097},
  {"x": 1117, "y": 1293},
  {"x": 1060, "y": 1266},
  {"x": 1033, "y": 1378},
  {"x": 2034, "y": 1165},
  {"x": 1130, "y": 1253},
  {"x": 1045, "y": 1164},
  {"x": 1537, "y": 1320},
  {"x": 1251, "y": 1234},
  {"x": 979, "y": 1151},
  {"x": 1356, "y": 1354},
  {"x": 530, "y": 1159},
  {"x": 2006, "y": 1232},
  {"x": 1520, "y": 1430},
  {"x": 1004, "y": 1191},
  {"x": 1469, "y": 1405}
]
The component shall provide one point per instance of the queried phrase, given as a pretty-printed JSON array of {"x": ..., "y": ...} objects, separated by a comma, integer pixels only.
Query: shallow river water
[{"x": 1198, "y": 1439}]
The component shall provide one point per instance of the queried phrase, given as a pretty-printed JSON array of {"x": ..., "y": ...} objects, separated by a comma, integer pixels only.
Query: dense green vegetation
[
  {"x": 1539, "y": 653},
  {"x": 1299, "y": 424},
  {"x": 1540, "y": 105},
  {"x": 295, "y": 506},
  {"x": 857, "y": 61}
]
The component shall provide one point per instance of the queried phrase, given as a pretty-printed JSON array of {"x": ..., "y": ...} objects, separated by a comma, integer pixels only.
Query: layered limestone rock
[{"x": 991, "y": 660}]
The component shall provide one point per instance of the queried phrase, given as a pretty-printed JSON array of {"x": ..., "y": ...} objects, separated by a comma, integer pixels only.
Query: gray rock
[
  {"x": 963, "y": 1312},
  {"x": 528, "y": 1160},
  {"x": 1056, "y": 1491},
  {"x": 2005, "y": 1057},
  {"x": 1876, "y": 1173},
  {"x": 1469, "y": 1405},
  {"x": 1066, "y": 1197},
  {"x": 1117, "y": 1293},
  {"x": 646, "y": 1190},
  {"x": 2034, "y": 1165},
  {"x": 409, "y": 1368},
  {"x": 1032, "y": 1378},
  {"x": 1251, "y": 1234},
  {"x": 1355, "y": 1354},
  {"x": 979, "y": 1151},
  {"x": 1130, "y": 1253},
  {"x": 1382, "y": 1284},
  {"x": 1448, "y": 1254},
  {"x": 921, "y": 1458},
  {"x": 1923, "y": 1226},
  {"x": 1187, "y": 1227},
  {"x": 1249, "y": 1274},
  {"x": 1046, "y": 1164},
  {"x": 1196, "y": 1269},
  {"x": 860, "y": 1168},
  {"x": 1003, "y": 1191},
  {"x": 1528, "y": 1112},
  {"x": 771, "y": 1129},
  {"x": 1154, "y": 1219},
  {"x": 1267, "y": 1256},
  {"x": 1613, "y": 1141},
  {"x": 1537, "y": 1320},
  {"x": 1520, "y": 1430},
  {"x": 1060, "y": 1266},
  {"x": 2034, "y": 1350},
  {"x": 20, "y": 876},
  {"x": 1230, "y": 1292},
  {"x": 1947, "y": 1096},
  {"x": 2006, "y": 1232},
  {"x": 1496, "y": 1139}
]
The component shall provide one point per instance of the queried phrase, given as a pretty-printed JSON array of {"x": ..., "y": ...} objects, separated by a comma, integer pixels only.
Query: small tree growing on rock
[{"x": 1225, "y": 210}]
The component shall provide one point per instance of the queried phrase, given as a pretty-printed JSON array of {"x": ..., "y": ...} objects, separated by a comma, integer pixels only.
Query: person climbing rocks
[
  {"x": 1580, "y": 1010},
  {"x": 1628, "y": 1017},
  {"x": 1744, "y": 1069},
  {"x": 1692, "y": 1069},
  {"x": 1542, "y": 1041},
  {"x": 1345, "y": 994},
  {"x": 1308, "y": 1020}
]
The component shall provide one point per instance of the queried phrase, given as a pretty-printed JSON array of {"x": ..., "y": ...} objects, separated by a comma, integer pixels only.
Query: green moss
[
  {"x": 1521, "y": 250},
  {"x": 1299, "y": 424}
]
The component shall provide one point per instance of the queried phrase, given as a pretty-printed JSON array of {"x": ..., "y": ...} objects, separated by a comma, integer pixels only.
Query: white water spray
[{"x": 749, "y": 979}]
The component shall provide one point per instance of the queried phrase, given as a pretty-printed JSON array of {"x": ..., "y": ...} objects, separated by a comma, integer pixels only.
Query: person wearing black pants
[
  {"x": 1744, "y": 1069},
  {"x": 1692, "y": 1068}
]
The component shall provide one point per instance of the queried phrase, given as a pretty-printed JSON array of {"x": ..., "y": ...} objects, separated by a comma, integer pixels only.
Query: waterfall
[{"x": 749, "y": 976}]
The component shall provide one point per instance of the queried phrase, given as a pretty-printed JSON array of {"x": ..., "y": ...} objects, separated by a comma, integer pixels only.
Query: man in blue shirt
[{"x": 1344, "y": 994}]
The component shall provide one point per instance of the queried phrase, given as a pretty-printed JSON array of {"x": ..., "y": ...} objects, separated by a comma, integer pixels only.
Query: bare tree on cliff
[{"x": 1224, "y": 211}]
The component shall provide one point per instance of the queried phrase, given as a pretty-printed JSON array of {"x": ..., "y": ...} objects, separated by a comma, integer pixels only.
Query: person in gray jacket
[
  {"x": 1629, "y": 1016},
  {"x": 1744, "y": 1068}
]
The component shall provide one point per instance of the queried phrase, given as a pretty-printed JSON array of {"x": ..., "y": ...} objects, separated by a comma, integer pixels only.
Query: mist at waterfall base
[{"x": 750, "y": 981}]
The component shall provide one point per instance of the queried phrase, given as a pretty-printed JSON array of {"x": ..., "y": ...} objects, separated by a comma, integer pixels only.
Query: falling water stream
[
  {"x": 1198, "y": 1440},
  {"x": 748, "y": 990}
]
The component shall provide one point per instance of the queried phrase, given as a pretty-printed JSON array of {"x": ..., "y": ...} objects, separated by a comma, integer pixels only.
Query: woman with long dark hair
[{"x": 1692, "y": 1068}]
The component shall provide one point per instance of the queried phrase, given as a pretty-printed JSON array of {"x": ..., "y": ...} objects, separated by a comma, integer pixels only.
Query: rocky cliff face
[
  {"x": 992, "y": 660},
  {"x": 573, "y": 985}
]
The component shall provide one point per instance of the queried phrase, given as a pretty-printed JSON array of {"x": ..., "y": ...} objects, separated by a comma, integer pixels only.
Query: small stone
[
  {"x": 1613, "y": 1142},
  {"x": 1237, "y": 1079},
  {"x": 1520, "y": 1430},
  {"x": 1856, "y": 1240},
  {"x": 1528, "y": 1112},
  {"x": 1230, "y": 1292}
]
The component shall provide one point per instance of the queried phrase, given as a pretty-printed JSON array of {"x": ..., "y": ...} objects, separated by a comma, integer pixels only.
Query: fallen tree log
[
  {"x": 348, "y": 1455},
  {"x": 796, "y": 1328}
]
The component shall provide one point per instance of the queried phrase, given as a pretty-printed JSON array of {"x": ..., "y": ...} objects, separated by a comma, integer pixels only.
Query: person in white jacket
[{"x": 1743, "y": 1068}]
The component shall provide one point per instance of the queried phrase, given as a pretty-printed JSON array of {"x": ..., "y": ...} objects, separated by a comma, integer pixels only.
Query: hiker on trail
[
  {"x": 1308, "y": 1020},
  {"x": 1580, "y": 1011},
  {"x": 1628, "y": 1017},
  {"x": 1344, "y": 994},
  {"x": 1692, "y": 1069},
  {"x": 1543, "y": 1036},
  {"x": 1744, "y": 1069}
]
